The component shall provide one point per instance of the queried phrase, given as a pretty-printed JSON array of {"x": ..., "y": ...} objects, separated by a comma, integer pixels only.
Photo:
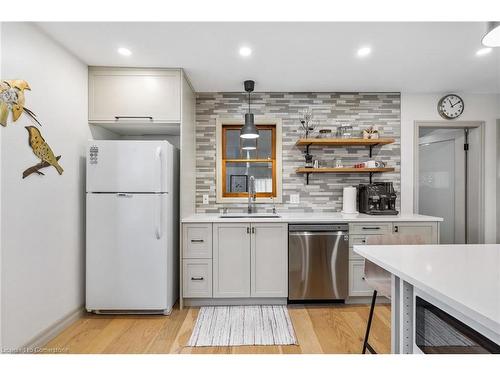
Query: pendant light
[
  {"x": 492, "y": 37},
  {"x": 249, "y": 130}
]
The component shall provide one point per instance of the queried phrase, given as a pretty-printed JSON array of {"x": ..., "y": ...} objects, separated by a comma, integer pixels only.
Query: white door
[
  {"x": 134, "y": 95},
  {"x": 128, "y": 166},
  {"x": 231, "y": 260},
  {"x": 269, "y": 260},
  {"x": 126, "y": 251}
]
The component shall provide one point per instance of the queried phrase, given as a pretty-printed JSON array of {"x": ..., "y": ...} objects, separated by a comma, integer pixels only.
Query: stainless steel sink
[{"x": 243, "y": 215}]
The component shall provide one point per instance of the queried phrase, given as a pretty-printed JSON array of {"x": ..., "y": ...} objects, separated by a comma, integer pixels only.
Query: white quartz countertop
[
  {"x": 464, "y": 277},
  {"x": 309, "y": 217}
]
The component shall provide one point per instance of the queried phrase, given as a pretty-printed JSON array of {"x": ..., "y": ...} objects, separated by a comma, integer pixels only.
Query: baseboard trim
[
  {"x": 366, "y": 300},
  {"x": 195, "y": 302},
  {"x": 40, "y": 340}
]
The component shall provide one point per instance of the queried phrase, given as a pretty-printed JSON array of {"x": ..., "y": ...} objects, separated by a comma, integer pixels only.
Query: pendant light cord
[{"x": 249, "y": 102}]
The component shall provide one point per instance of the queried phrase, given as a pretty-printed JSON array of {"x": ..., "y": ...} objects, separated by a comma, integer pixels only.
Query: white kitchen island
[{"x": 461, "y": 280}]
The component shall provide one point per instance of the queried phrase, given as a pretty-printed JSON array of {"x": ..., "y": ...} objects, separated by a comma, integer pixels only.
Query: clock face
[{"x": 451, "y": 106}]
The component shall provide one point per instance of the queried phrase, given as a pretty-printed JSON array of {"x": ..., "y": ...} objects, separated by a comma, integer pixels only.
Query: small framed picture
[{"x": 239, "y": 183}]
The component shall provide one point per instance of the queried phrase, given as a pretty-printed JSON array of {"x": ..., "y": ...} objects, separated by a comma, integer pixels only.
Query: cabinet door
[
  {"x": 357, "y": 284},
  {"x": 428, "y": 231},
  {"x": 231, "y": 260},
  {"x": 134, "y": 95},
  {"x": 269, "y": 260}
]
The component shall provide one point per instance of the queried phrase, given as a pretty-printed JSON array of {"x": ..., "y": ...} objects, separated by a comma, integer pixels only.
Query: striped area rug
[{"x": 242, "y": 325}]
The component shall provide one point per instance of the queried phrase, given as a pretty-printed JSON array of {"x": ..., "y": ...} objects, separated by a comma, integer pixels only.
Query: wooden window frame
[
  {"x": 272, "y": 160},
  {"x": 278, "y": 165}
]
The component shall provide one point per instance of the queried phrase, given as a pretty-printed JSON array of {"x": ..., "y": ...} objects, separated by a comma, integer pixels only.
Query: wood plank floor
[{"x": 319, "y": 329}]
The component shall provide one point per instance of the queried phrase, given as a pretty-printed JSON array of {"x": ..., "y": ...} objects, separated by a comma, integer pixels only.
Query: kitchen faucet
[{"x": 251, "y": 195}]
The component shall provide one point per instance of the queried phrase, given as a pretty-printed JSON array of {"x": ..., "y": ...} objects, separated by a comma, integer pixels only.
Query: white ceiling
[{"x": 412, "y": 57}]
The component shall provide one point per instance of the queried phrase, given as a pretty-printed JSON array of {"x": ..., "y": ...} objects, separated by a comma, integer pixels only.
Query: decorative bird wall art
[
  {"x": 43, "y": 151},
  {"x": 12, "y": 100}
]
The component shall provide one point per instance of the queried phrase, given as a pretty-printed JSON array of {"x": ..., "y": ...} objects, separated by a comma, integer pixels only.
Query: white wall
[
  {"x": 42, "y": 217},
  {"x": 423, "y": 107}
]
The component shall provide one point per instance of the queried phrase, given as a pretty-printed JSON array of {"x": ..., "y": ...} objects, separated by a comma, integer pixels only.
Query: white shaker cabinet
[
  {"x": 250, "y": 260},
  {"x": 428, "y": 231},
  {"x": 133, "y": 95},
  {"x": 269, "y": 260},
  {"x": 231, "y": 260}
]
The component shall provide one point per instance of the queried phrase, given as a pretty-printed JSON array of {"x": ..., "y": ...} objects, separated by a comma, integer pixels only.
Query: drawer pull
[
  {"x": 197, "y": 278},
  {"x": 371, "y": 228},
  {"x": 197, "y": 240},
  {"x": 363, "y": 278},
  {"x": 131, "y": 117}
]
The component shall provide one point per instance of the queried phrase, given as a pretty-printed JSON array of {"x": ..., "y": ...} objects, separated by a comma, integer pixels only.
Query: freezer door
[
  {"x": 129, "y": 166},
  {"x": 126, "y": 251}
]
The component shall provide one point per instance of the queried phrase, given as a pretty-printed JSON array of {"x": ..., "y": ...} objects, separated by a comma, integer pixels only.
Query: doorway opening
[{"x": 449, "y": 178}]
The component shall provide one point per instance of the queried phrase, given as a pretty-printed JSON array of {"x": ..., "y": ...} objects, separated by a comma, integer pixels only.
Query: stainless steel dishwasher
[{"x": 318, "y": 260}]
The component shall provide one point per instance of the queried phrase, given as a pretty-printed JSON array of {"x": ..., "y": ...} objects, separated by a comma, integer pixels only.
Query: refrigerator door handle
[
  {"x": 160, "y": 159},
  {"x": 160, "y": 218}
]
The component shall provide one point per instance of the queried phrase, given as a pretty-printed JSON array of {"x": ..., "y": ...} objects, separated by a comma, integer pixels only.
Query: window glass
[
  {"x": 233, "y": 144},
  {"x": 238, "y": 177},
  {"x": 264, "y": 144}
]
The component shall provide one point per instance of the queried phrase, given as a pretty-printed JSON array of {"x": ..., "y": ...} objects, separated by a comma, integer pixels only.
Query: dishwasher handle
[
  {"x": 338, "y": 233},
  {"x": 318, "y": 227}
]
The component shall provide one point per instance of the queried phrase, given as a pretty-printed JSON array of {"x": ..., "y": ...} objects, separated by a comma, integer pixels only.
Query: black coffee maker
[{"x": 378, "y": 198}]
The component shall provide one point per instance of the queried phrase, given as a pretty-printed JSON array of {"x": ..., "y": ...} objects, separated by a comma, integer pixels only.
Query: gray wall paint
[{"x": 324, "y": 192}]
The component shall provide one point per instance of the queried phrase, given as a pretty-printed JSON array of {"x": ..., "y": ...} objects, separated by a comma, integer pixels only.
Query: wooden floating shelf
[
  {"x": 343, "y": 170},
  {"x": 339, "y": 142}
]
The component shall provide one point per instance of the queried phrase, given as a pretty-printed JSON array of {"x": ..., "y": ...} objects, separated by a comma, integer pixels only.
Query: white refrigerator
[{"x": 132, "y": 230}]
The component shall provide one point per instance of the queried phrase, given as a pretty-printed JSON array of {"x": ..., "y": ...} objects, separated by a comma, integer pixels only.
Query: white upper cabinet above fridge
[{"x": 134, "y": 101}]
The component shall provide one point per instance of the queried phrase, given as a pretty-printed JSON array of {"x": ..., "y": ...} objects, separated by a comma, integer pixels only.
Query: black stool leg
[{"x": 368, "y": 326}]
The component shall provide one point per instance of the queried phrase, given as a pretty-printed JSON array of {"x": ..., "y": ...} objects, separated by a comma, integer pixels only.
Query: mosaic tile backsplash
[{"x": 324, "y": 192}]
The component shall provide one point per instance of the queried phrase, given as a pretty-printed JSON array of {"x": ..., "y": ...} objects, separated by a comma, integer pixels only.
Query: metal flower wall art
[{"x": 12, "y": 100}]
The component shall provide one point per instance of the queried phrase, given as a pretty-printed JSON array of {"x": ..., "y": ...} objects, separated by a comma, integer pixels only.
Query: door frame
[{"x": 450, "y": 125}]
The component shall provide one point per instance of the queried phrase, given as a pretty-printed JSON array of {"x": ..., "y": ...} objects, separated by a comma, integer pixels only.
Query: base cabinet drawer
[
  {"x": 357, "y": 284},
  {"x": 370, "y": 228},
  {"x": 197, "y": 281},
  {"x": 197, "y": 240}
]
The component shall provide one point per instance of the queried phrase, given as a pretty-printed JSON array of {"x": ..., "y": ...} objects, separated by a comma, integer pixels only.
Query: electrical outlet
[
  {"x": 294, "y": 198},
  {"x": 205, "y": 198}
]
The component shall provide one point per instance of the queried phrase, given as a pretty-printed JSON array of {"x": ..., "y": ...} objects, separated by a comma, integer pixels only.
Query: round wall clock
[{"x": 450, "y": 106}]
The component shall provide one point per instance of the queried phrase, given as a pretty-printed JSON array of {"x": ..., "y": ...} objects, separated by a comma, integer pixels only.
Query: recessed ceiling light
[
  {"x": 245, "y": 51},
  {"x": 483, "y": 51},
  {"x": 124, "y": 51},
  {"x": 364, "y": 51},
  {"x": 492, "y": 37}
]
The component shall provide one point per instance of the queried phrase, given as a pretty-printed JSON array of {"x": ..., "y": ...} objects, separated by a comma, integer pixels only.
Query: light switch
[
  {"x": 295, "y": 198},
  {"x": 205, "y": 198}
]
